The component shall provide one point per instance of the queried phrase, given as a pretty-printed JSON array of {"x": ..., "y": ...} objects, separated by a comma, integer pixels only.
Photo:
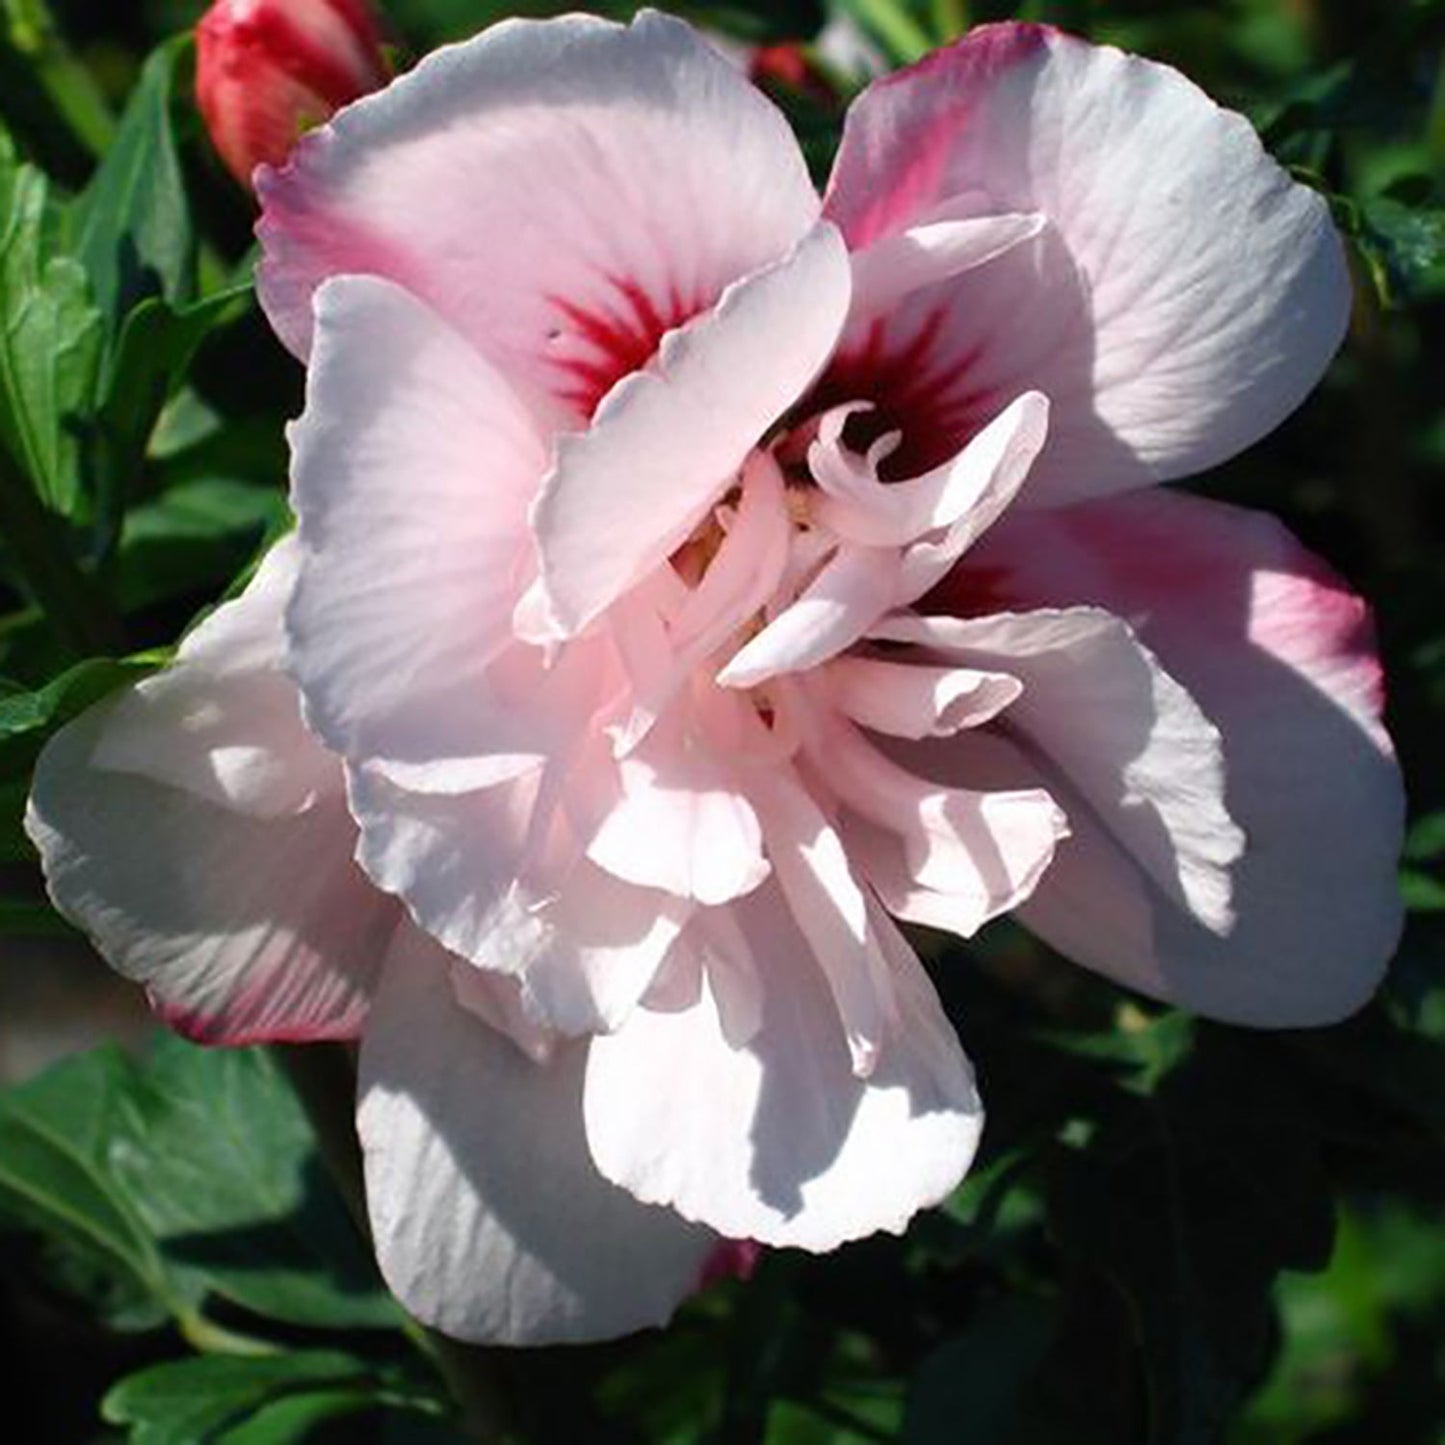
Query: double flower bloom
[{"x": 692, "y": 578}]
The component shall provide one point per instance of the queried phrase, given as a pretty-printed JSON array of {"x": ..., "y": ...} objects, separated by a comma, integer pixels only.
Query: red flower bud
[
  {"x": 788, "y": 65},
  {"x": 267, "y": 70}
]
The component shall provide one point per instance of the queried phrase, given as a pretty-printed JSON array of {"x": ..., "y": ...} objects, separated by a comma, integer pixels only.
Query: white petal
[
  {"x": 414, "y": 465},
  {"x": 953, "y": 238},
  {"x": 669, "y": 441},
  {"x": 478, "y": 874},
  {"x": 1281, "y": 656},
  {"x": 242, "y": 928},
  {"x": 856, "y": 586},
  {"x": 833, "y": 914},
  {"x": 779, "y": 1141},
  {"x": 490, "y": 1221},
  {"x": 224, "y": 720},
  {"x": 915, "y": 701},
  {"x": 1099, "y": 708},
  {"x": 1184, "y": 298},
  {"x": 680, "y": 821},
  {"x": 562, "y": 192}
]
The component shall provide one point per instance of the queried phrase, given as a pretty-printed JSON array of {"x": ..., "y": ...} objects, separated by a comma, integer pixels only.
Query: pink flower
[
  {"x": 267, "y": 70},
  {"x": 692, "y": 578}
]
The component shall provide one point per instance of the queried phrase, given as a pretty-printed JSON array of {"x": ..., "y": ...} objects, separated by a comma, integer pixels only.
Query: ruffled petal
[
  {"x": 778, "y": 1140},
  {"x": 680, "y": 820},
  {"x": 1281, "y": 657},
  {"x": 243, "y": 928},
  {"x": 490, "y": 1221},
  {"x": 1130, "y": 741},
  {"x": 912, "y": 701},
  {"x": 414, "y": 465},
  {"x": 564, "y": 192},
  {"x": 983, "y": 846},
  {"x": 833, "y": 914},
  {"x": 669, "y": 441},
  {"x": 224, "y": 720},
  {"x": 1184, "y": 298},
  {"x": 500, "y": 881},
  {"x": 854, "y": 588}
]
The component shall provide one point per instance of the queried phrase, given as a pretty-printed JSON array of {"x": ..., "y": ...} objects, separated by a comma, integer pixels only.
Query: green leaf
[
  {"x": 188, "y": 1402},
  {"x": 297, "y": 1418},
  {"x": 28, "y": 716},
  {"x": 27, "y": 720},
  {"x": 56, "y": 1179},
  {"x": 192, "y": 534},
  {"x": 156, "y": 345},
  {"x": 50, "y": 340},
  {"x": 1409, "y": 242},
  {"x": 226, "y": 1177},
  {"x": 190, "y": 1177},
  {"x": 1189, "y": 1202},
  {"x": 133, "y": 224}
]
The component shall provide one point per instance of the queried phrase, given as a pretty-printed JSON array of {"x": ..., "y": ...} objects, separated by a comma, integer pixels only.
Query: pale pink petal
[
  {"x": 980, "y": 486},
  {"x": 490, "y": 1221},
  {"x": 1184, "y": 298},
  {"x": 908, "y": 700},
  {"x": 669, "y": 441},
  {"x": 714, "y": 945},
  {"x": 679, "y": 821},
  {"x": 413, "y": 468},
  {"x": 956, "y": 237},
  {"x": 243, "y": 928},
  {"x": 960, "y": 499},
  {"x": 833, "y": 914},
  {"x": 562, "y": 192},
  {"x": 224, "y": 721},
  {"x": 1097, "y": 707},
  {"x": 1281, "y": 656},
  {"x": 985, "y": 848},
  {"x": 496, "y": 999},
  {"x": 855, "y": 587},
  {"x": 599, "y": 945},
  {"x": 661, "y": 656},
  {"x": 779, "y": 1141},
  {"x": 483, "y": 876}
]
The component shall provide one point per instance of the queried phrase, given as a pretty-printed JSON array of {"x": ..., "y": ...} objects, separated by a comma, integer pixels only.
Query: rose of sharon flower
[
  {"x": 694, "y": 577},
  {"x": 268, "y": 70}
]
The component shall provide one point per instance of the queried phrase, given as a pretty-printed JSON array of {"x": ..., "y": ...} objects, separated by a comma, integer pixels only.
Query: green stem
[
  {"x": 324, "y": 1078},
  {"x": 73, "y": 602},
  {"x": 209, "y": 1338}
]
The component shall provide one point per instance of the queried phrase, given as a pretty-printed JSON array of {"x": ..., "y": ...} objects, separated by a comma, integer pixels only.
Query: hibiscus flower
[{"x": 694, "y": 577}]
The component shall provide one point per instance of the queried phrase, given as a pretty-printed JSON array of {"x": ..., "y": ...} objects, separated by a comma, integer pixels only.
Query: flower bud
[
  {"x": 267, "y": 70},
  {"x": 788, "y": 66}
]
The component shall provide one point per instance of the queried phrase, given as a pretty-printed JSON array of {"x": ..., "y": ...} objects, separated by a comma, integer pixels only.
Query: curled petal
[
  {"x": 669, "y": 441},
  {"x": 1097, "y": 706},
  {"x": 680, "y": 821},
  {"x": 196, "y": 831},
  {"x": 854, "y": 588},
  {"x": 911, "y": 701},
  {"x": 984, "y": 847}
]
